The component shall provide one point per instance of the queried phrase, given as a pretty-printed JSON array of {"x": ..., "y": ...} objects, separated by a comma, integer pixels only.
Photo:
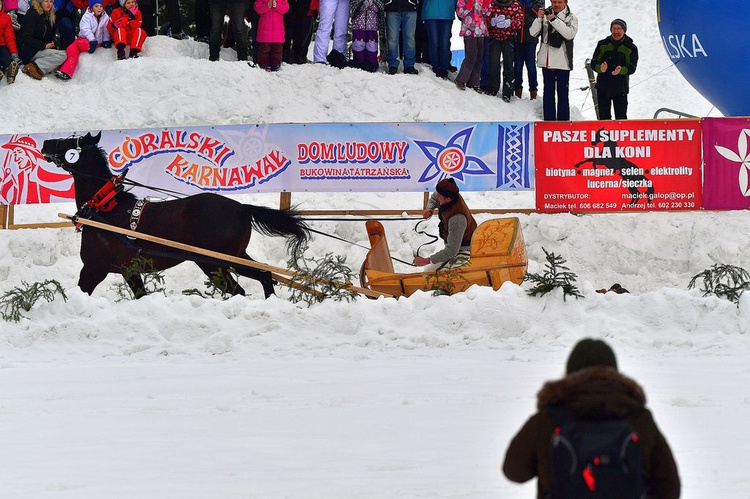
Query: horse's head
[{"x": 65, "y": 153}]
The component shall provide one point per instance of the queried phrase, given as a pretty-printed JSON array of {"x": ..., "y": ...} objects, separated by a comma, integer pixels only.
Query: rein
[
  {"x": 356, "y": 244},
  {"x": 433, "y": 238}
]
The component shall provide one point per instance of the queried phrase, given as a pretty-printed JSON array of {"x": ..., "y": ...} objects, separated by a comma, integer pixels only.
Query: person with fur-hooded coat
[
  {"x": 592, "y": 389},
  {"x": 37, "y": 44}
]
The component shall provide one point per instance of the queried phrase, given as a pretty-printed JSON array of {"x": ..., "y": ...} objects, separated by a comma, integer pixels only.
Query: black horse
[
  {"x": 208, "y": 221},
  {"x": 623, "y": 167}
]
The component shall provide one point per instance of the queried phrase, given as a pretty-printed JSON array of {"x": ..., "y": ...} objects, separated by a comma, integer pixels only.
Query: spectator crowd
[{"x": 505, "y": 41}]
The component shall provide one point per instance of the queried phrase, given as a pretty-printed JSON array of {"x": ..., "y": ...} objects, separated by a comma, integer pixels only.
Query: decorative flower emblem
[
  {"x": 451, "y": 159},
  {"x": 742, "y": 157}
]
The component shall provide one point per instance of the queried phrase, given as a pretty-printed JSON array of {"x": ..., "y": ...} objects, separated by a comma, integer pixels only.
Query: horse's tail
[{"x": 284, "y": 223}]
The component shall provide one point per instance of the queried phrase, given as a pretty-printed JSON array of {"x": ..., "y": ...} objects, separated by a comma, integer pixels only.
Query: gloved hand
[
  {"x": 92, "y": 46},
  {"x": 131, "y": 14},
  {"x": 134, "y": 9},
  {"x": 15, "y": 57},
  {"x": 107, "y": 44},
  {"x": 117, "y": 24},
  {"x": 503, "y": 23},
  {"x": 494, "y": 21}
]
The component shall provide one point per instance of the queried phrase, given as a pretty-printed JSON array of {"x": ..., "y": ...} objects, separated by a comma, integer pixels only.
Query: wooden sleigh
[{"x": 498, "y": 254}]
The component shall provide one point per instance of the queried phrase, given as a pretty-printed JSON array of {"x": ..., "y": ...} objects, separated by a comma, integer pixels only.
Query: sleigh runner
[{"x": 498, "y": 255}]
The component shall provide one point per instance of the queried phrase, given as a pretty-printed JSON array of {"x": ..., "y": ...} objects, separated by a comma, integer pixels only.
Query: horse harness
[{"x": 105, "y": 199}]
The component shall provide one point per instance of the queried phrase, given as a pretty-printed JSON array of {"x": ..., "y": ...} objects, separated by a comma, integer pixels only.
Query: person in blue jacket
[{"x": 438, "y": 18}]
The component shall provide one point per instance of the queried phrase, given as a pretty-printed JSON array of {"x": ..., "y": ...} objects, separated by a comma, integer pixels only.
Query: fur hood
[
  {"x": 594, "y": 393},
  {"x": 39, "y": 10}
]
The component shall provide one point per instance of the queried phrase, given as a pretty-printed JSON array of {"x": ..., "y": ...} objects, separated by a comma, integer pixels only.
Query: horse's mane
[{"x": 104, "y": 171}]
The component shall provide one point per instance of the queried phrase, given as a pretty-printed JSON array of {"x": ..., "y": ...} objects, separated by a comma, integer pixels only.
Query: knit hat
[
  {"x": 589, "y": 353},
  {"x": 622, "y": 24},
  {"x": 448, "y": 188},
  {"x": 94, "y": 2}
]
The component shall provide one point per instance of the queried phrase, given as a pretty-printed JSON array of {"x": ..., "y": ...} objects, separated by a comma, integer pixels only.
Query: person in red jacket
[
  {"x": 125, "y": 29},
  {"x": 271, "y": 32},
  {"x": 9, "y": 60}
]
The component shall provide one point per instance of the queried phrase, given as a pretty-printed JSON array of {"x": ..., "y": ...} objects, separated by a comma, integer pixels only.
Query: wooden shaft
[{"x": 213, "y": 254}]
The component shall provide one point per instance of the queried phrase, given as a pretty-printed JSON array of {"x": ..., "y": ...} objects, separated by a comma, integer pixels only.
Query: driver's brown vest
[{"x": 457, "y": 207}]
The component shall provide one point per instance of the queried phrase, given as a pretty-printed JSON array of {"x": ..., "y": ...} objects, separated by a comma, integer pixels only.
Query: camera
[{"x": 548, "y": 11}]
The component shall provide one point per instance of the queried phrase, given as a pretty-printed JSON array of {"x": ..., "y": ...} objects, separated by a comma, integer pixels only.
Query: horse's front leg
[
  {"x": 90, "y": 278},
  {"x": 135, "y": 282}
]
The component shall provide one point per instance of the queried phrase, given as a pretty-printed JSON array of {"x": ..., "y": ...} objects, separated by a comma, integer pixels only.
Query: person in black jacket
[
  {"x": 593, "y": 389},
  {"x": 37, "y": 46},
  {"x": 298, "y": 26},
  {"x": 615, "y": 59}
]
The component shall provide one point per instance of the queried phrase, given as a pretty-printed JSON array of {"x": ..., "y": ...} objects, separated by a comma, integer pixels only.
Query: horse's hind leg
[
  {"x": 232, "y": 286},
  {"x": 264, "y": 277}
]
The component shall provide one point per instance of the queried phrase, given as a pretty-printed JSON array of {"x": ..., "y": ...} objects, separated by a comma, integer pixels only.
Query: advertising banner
[
  {"x": 727, "y": 163},
  {"x": 618, "y": 166},
  {"x": 329, "y": 157}
]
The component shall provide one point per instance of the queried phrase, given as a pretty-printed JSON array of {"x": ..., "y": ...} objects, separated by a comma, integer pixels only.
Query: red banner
[{"x": 618, "y": 165}]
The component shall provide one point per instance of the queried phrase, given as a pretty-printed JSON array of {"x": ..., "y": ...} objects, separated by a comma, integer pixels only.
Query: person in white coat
[
  {"x": 333, "y": 14},
  {"x": 92, "y": 34},
  {"x": 557, "y": 26}
]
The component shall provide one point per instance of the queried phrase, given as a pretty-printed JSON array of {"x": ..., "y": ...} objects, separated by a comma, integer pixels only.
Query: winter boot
[
  {"x": 61, "y": 75},
  {"x": 33, "y": 70},
  {"x": 1, "y": 75},
  {"x": 533, "y": 94},
  {"x": 120, "y": 51},
  {"x": 519, "y": 93},
  {"x": 13, "y": 71},
  {"x": 134, "y": 53}
]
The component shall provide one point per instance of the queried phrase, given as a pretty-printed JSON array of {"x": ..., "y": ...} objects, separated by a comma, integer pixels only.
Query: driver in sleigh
[{"x": 456, "y": 227}]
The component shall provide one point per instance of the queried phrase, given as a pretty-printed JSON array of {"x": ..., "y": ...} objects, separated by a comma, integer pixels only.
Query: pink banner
[{"x": 726, "y": 157}]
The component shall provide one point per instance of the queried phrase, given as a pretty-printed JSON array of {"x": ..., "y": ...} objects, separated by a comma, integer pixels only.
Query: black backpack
[{"x": 596, "y": 459}]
